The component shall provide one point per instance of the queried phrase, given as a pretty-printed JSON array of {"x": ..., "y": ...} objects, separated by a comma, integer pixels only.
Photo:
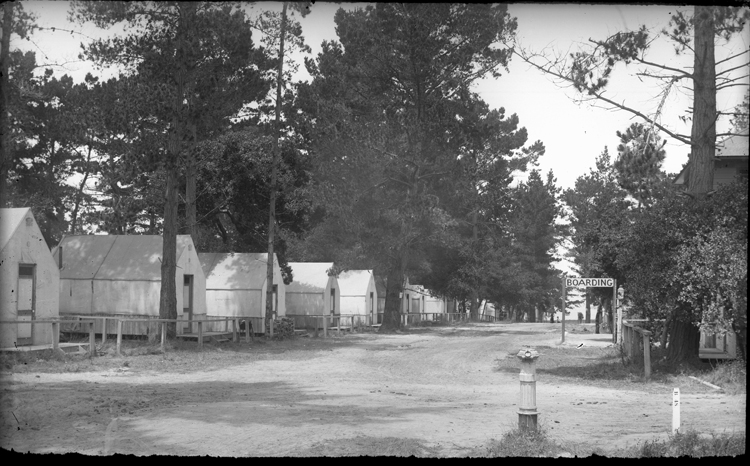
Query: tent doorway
[
  {"x": 187, "y": 302},
  {"x": 26, "y": 302}
]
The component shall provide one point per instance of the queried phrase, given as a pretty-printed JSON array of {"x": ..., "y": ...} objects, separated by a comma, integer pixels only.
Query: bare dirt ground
[{"x": 448, "y": 389}]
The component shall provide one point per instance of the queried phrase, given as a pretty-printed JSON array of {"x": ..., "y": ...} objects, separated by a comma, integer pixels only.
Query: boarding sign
[{"x": 590, "y": 282}]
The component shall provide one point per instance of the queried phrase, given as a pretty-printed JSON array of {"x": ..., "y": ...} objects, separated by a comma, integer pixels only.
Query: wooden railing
[
  {"x": 162, "y": 326},
  {"x": 56, "y": 330},
  {"x": 636, "y": 342}
]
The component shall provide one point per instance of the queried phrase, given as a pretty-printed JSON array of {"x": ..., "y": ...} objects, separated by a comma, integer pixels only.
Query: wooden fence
[
  {"x": 120, "y": 322},
  {"x": 89, "y": 323},
  {"x": 636, "y": 342}
]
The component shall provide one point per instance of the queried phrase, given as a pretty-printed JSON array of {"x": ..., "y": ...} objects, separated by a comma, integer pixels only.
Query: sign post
[
  {"x": 563, "y": 309},
  {"x": 590, "y": 283}
]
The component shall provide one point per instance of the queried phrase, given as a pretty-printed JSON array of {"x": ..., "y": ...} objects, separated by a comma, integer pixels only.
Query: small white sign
[{"x": 590, "y": 282}]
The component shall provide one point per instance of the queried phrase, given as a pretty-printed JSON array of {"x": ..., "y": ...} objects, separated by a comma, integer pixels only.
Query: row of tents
[{"x": 120, "y": 276}]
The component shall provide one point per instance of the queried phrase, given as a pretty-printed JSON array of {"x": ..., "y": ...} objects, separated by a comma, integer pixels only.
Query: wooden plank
[
  {"x": 92, "y": 340},
  {"x": 104, "y": 331},
  {"x": 119, "y": 336},
  {"x": 55, "y": 335}
]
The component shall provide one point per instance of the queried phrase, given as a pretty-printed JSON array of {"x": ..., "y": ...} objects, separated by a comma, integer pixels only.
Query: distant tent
[
  {"x": 359, "y": 295},
  {"x": 29, "y": 280},
  {"x": 236, "y": 286},
  {"x": 120, "y": 275},
  {"x": 313, "y": 292}
]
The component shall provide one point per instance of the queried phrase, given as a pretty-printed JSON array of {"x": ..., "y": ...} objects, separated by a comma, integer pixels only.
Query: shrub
[
  {"x": 282, "y": 328},
  {"x": 694, "y": 445},
  {"x": 518, "y": 443}
]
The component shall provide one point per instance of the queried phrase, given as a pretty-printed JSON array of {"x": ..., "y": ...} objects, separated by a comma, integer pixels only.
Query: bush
[
  {"x": 518, "y": 443},
  {"x": 692, "y": 444},
  {"x": 282, "y": 328}
]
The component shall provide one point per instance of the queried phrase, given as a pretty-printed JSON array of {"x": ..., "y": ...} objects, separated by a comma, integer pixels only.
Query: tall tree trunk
[
  {"x": 683, "y": 344},
  {"x": 703, "y": 133},
  {"x": 393, "y": 288},
  {"x": 474, "y": 292},
  {"x": 168, "y": 291},
  {"x": 684, "y": 338},
  {"x": 79, "y": 194},
  {"x": 6, "y": 158},
  {"x": 274, "y": 168}
]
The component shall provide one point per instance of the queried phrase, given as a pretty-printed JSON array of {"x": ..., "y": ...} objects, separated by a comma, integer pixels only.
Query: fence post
[
  {"x": 104, "y": 331},
  {"x": 92, "y": 339},
  {"x": 338, "y": 326},
  {"x": 325, "y": 326},
  {"x": 234, "y": 330},
  {"x": 247, "y": 330},
  {"x": 55, "y": 334},
  {"x": 163, "y": 334},
  {"x": 119, "y": 336}
]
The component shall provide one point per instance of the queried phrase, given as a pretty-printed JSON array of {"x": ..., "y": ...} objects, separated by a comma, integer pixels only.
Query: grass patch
[
  {"x": 518, "y": 443},
  {"x": 370, "y": 446},
  {"x": 729, "y": 375},
  {"x": 691, "y": 444}
]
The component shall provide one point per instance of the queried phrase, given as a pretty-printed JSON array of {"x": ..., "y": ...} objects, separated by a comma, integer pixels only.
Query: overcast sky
[{"x": 574, "y": 134}]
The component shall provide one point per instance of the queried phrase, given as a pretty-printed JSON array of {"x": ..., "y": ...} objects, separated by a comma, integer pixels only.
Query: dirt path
[{"x": 450, "y": 389}]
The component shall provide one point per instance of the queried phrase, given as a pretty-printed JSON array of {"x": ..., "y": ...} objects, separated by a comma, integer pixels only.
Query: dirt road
[{"x": 450, "y": 389}]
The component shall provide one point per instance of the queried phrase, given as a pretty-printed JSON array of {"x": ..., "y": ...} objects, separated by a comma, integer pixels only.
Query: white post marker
[{"x": 675, "y": 410}]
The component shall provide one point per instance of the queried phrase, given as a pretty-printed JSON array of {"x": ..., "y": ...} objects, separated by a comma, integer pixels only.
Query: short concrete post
[
  {"x": 247, "y": 330},
  {"x": 92, "y": 339},
  {"x": 163, "y": 334},
  {"x": 325, "y": 326},
  {"x": 55, "y": 335},
  {"x": 338, "y": 326},
  {"x": 527, "y": 413},
  {"x": 200, "y": 334},
  {"x": 234, "y": 330},
  {"x": 104, "y": 331},
  {"x": 270, "y": 326},
  {"x": 119, "y": 336}
]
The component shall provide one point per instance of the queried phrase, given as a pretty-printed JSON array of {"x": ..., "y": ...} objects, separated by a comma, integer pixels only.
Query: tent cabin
[
  {"x": 313, "y": 292},
  {"x": 236, "y": 285},
  {"x": 416, "y": 299},
  {"x": 730, "y": 162},
  {"x": 29, "y": 280},
  {"x": 359, "y": 295},
  {"x": 120, "y": 276}
]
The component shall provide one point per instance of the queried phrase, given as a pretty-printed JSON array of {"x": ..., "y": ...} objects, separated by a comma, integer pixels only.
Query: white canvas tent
[
  {"x": 236, "y": 285},
  {"x": 313, "y": 292},
  {"x": 120, "y": 275},
  {"x": 29, "y": 280},
  {"x": 416, "y": 299},
  {"x": 358, "y": 294}
]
